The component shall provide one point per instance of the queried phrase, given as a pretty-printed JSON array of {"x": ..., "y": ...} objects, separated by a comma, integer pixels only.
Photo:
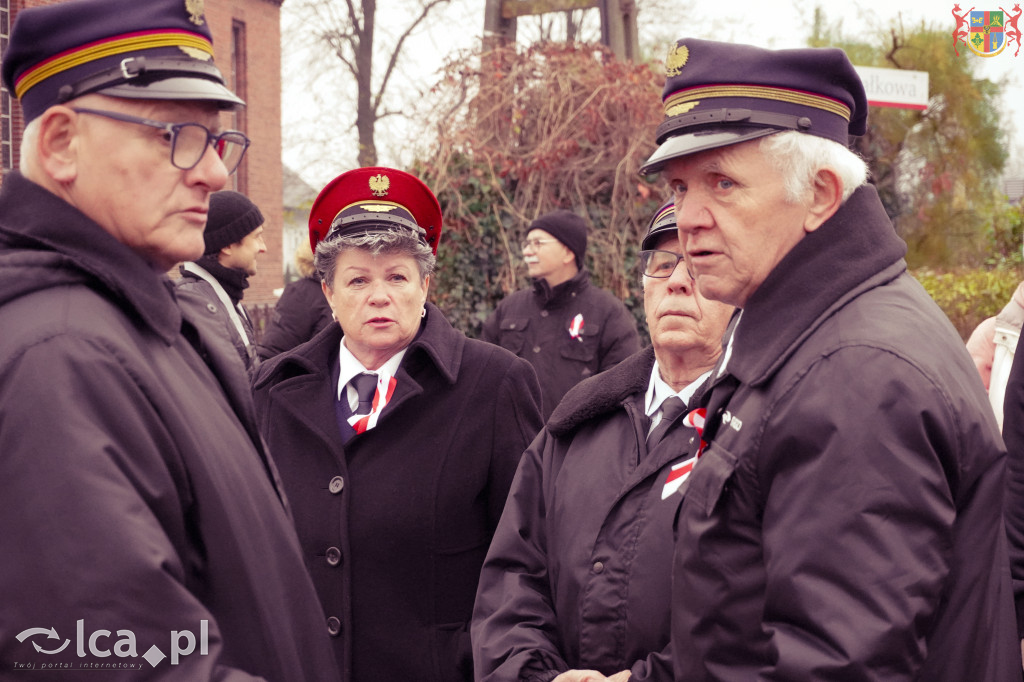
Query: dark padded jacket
[
  {"x": 534, "y": 324},
  {"x": 135, "y": 493},
  {"x": 845, "y": 521},
  {"x": 579, "y": 572}
]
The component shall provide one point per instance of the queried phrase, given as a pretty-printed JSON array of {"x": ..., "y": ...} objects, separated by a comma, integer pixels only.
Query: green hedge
[{"x": 968, "y": 296}]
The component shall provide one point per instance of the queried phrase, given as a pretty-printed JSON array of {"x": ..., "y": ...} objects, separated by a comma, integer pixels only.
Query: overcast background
[{"x": 313, "y": 97}]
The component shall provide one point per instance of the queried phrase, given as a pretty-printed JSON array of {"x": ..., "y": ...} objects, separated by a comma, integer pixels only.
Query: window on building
[{"x": 238, "y": 84}]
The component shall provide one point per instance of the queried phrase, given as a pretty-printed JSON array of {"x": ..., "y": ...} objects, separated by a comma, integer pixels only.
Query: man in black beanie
[
  {"x": 566, "y": 328},
  {"x": 233, "y": 238}
]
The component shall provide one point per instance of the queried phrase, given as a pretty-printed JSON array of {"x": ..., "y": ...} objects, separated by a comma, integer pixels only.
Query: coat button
[
  {"x": 336, "y": 484},
  {"x": 598, "y": 567},
  {"x": 333, "y": 626},
  {"x": 536, "y": 349},
  {"x": 543, "y": 313},
  {"x": 512, "y": 326},
  {"x": 333, "y": 556},
  {"x": 211, "y": 307}
]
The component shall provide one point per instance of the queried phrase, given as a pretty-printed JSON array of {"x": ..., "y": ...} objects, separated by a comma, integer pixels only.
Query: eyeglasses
[
  {"x": 661, "y": 263},
  {"x": 535, "y": 243},
  {"x": 189, "y": 140}
]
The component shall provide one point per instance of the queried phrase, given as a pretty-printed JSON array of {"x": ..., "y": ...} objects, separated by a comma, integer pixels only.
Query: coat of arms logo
[{"x": 986, "y": 32}]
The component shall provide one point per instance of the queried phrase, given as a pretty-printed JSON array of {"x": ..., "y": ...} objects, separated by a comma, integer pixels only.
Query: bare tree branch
[{"x": 425, "y": 10}]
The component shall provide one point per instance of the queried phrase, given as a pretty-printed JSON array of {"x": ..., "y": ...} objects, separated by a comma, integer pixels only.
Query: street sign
[{"x": 895, "y": 87}]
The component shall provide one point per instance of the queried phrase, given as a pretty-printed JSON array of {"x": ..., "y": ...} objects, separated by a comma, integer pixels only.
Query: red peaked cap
[{"x": 375, "y": 199}]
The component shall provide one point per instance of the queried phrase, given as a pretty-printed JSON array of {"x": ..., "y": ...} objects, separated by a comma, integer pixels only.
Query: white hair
[
  {"x": 29, "y": 139},
  {"x": 799, "y": 157}
]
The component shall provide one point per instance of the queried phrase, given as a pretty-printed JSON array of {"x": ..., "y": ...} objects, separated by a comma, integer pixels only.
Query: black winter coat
[
  {"x": 395, "y": 523},
  {"x": 201, "y": 296},
  {"x": 299, "y": 315},
  {"x": 534, "y": 324},
  {"x": 579, "y": 572},
  {"x": 845, "y": 521},
  {"x": 135, "y": 495},
  {"x": 1013, "y": 434}
]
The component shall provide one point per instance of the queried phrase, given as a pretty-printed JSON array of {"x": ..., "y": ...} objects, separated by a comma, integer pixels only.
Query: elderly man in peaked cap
[
  {"x": 576, "y": 579},
  {"x": 141, "y": 518},
  {"x": 844, "y": 518}
]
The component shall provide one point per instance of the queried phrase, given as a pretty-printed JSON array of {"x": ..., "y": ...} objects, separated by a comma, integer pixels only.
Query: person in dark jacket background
[
  {"x": 844, "y": 520},
  {"x": 577, "y": 576},
  {"x": 300, "y": 313},
  {"x": 140, "y": 515},
  {"x": 566, "y": 327},
  {"x": 232, "y": 240},
  {"x": 396, "y": 436}
]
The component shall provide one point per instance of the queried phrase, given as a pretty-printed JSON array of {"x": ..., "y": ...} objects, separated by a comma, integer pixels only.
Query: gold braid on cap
[{"x": 682, "y": 101}]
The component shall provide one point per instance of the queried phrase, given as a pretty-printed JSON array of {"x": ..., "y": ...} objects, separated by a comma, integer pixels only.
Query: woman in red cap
[{"x": 395, "y": 435}]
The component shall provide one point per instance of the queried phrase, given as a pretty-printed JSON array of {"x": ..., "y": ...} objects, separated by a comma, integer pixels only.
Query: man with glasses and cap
[
  {"x": 566, "y": 327},
  {"x": 141, "y": 516},
  {"x": 844, "y": 518},
  {"x": 576, "y": 581}
]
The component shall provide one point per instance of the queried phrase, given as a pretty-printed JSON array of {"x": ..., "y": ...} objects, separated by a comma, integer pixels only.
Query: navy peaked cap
[
  {"x": 718, "y": 94},
  {"x": 136, "y": 49},
  {"x": 663, "y": 221}
]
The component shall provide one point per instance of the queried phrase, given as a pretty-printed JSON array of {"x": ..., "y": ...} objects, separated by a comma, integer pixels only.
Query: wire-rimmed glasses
[
  {"x": 535, "y": 244},
  {"x": 657, "y": 263}
]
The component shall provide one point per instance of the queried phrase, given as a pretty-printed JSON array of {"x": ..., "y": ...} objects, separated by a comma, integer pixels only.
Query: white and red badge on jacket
[
  {"x": 681, "y": 471},
  {"x": 576, "y": 327}
]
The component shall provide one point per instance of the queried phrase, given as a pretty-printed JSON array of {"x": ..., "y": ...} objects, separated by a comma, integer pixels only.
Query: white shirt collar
[
  {"x": 658, "y": 391},
  {"x": 727, "y": 354},
  {"x": 351, "y": 367}
]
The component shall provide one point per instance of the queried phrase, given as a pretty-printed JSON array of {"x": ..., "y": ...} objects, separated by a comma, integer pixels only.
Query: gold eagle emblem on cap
[
  {"x": 676, "y": 60},
  {"x": 379, "y": 185},
  {"x": 195, "y": 11}
]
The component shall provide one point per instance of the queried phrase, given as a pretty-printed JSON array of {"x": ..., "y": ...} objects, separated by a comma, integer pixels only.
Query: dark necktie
[
  {"x": 366, "y": 386},
  {"x": 671, "y": 410}
]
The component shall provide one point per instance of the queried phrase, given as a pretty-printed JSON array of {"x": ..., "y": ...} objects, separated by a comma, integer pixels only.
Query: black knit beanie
[
  {"x": 232, "y": 216},
  {"x": 566, "y": 227}
]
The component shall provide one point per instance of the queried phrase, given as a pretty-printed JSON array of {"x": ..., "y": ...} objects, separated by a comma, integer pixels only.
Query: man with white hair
[{"x": 844, "y": 518}]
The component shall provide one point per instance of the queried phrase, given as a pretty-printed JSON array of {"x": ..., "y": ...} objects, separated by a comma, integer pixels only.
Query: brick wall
[
  {"x": 259, "y": 81},
  {"x": 259, "y": 78}
]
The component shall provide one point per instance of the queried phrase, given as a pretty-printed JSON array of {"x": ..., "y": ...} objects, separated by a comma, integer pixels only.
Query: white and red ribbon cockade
[
  {"x": 695, "y": 420},
  {"x": 385, "y": 389},
  {"x": 676, "y": 476},
  {"x": 680, "y": 472},
  {"x": 576, "y": 327}
]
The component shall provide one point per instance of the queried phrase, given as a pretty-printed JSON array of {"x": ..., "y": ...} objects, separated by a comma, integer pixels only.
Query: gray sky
[{"x": 771, "y": 23}]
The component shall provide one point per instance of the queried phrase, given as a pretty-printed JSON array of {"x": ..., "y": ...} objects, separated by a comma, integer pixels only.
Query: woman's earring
[{"x": 423, "y": 313}]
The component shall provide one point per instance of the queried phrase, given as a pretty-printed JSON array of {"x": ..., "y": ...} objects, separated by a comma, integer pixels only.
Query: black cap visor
[
  {"x": 700, "y": 141},
  {"x": 178, "y": 88}
]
